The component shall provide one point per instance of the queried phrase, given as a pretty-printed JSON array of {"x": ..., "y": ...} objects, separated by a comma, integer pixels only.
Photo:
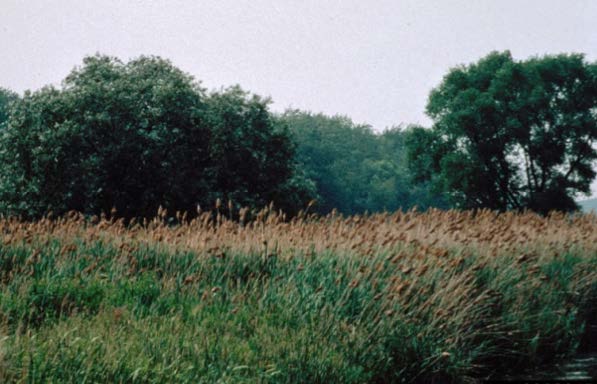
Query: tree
[
  {"x": 353, "y": 168},
  {"x": 332, "y": 151},
  {"x": 134, "y": 136},
  {"x": 6, "y": 99},
  {"x": 511, "y": 134},
  {"x": 254, "y": 153}
]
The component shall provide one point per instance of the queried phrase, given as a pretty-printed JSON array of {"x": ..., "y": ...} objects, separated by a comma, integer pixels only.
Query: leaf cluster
[
  {"x": 511, "y": 134},
  {"x": 137, "y": 135},
  {"x": 353, "y": 168}
]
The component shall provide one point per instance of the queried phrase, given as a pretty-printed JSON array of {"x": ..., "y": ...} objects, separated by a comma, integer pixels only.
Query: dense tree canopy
[
  {"x": 354, "y": 169},
  {"x": 253, "y": 153},
  {"x": 6, "y": 99},
  {"x": 511, "y": 134},
  {"x": 133, "y": 136}
]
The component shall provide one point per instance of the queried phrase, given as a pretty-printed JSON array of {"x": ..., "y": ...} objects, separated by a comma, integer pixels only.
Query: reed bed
[{"x": 436, "y": 296}]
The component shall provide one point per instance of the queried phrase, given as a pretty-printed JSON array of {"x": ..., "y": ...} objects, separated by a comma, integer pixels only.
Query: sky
[{"x": 374, "y": 61}]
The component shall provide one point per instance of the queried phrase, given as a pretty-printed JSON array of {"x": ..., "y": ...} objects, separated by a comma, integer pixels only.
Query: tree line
[{"x": 131, "y": 137}]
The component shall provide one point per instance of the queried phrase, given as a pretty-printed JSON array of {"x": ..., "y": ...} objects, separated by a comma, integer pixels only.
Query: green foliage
[
  {"x": 511, "y": 134},
  {"x": 255, "y": 154},
  {"x": 354, "y": 169},
  {"x": 48, "y": 300},
  {"x": 6, "y": 99},
  {"x": 137, "y": 135},
  {"x": 246, "y": 318}
]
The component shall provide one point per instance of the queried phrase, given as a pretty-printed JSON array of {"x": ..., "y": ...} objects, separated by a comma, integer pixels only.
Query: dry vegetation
[{"x": 404, "y": 297}]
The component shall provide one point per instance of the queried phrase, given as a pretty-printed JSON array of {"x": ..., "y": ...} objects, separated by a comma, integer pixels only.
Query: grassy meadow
[{"x": 440, "y": 296}]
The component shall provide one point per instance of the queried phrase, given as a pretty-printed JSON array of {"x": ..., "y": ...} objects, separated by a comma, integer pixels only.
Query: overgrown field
[{"x": 409, "y": 297}]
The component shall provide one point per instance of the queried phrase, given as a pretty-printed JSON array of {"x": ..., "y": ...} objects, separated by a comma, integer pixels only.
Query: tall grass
[{"x": 409, "y": 297}]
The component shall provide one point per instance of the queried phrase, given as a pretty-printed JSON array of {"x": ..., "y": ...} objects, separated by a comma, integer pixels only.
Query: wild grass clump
[{"x": 408, "y": 297}]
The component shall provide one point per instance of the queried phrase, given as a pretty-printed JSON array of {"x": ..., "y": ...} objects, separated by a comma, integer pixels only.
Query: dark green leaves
[
  {"x": 137, "y": 135},
  {"x": 6, "y": 99},
  {"x": 354, "y": 169},
  {"x": 511, "y": 134}
]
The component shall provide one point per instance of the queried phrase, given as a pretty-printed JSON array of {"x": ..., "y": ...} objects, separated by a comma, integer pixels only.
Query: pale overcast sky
[{"x": 374, "y": 61}]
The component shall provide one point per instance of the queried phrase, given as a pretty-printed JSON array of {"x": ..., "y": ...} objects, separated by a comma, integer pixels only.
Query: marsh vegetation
[{"x": 440, "y": 296}]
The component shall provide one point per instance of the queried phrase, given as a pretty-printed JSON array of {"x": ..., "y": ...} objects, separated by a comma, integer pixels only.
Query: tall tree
[
  {"x": 134, "y": 136},
  {"x": 353, "y": 168},
  {"x": 511, "y": 134},
  {"x": 254, "y": 154}
]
